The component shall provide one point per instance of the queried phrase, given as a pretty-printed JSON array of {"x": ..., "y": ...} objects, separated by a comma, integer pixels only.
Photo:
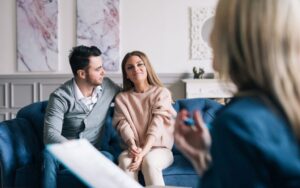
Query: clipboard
[{"x": 89, "y": 165}]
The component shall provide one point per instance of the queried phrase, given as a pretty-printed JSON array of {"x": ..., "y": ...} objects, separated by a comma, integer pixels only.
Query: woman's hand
[
  {"x": 139, "y": 153},
  {"x": 133, "y": 150},
  {"x": 193, "y": 142},
  {"x": 136, "y": 162},
  {"x": 136, "y": 154}
]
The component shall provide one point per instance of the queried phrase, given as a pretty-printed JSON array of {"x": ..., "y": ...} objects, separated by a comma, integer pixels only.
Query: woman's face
[{"x": 136, "y": 70}]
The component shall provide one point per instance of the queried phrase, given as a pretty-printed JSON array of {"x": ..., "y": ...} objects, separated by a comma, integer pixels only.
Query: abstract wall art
[
  {"x": 98, "y": 25},
  {"x": 201, "y": 26},
  {"x": 37, "y": 41}
]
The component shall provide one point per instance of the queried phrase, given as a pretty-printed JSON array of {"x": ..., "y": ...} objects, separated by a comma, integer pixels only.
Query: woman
[
  {"x": 254, "y": 140},
  {"x": 143, "y": 118}
]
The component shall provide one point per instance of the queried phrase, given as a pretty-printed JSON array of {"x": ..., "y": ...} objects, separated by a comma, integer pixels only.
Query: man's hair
[{"x": 79, "y": 57}]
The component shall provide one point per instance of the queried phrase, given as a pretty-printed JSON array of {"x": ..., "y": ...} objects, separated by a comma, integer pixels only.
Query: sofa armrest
[
  {"x": 34, "y": 113},
  {"x": 19, "y": 146}
]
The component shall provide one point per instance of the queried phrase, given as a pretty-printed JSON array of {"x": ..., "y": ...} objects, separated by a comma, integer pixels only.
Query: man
[{"x": 78, "y": 108}]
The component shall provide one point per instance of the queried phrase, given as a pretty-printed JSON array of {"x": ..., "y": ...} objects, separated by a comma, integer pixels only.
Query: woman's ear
[{"x": 81, "y": 73}]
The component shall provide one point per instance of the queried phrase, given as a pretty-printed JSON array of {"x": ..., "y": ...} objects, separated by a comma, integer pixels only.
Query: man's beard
[{"x": 93, "y": 82}]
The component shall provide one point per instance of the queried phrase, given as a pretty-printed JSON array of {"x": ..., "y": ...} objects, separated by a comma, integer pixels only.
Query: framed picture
[
  {"x": 37, "y": 36},
  {"x": 201, "y": 25},
  {"x": 98, "y": 25}
]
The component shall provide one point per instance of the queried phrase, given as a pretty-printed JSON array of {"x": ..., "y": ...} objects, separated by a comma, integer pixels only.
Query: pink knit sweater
[{"x": 138, "y": 115}]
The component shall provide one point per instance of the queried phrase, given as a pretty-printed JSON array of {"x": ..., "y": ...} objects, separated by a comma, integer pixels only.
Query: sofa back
[
  {"x": 35, "y": 112},
  {"x": 207, "y": 107}
]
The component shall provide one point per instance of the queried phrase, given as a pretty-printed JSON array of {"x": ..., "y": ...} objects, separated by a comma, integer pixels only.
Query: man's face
[{"x": 95, "y": 72}]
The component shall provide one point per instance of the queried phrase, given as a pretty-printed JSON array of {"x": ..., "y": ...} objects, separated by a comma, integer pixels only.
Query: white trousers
[{"x": 152, "y": 165}]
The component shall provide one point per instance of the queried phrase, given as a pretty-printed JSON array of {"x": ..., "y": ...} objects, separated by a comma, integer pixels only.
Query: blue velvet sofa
[{"x": 21, "y": 145}]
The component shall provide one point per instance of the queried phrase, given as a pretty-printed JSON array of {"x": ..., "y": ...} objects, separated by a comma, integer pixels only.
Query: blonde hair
[
  {"x": 152, "y": 77},
  {"x": 256, "y": 45}
]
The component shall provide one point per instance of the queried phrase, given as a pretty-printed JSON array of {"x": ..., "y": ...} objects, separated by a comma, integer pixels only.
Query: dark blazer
[{"x": 253, "y": 146}]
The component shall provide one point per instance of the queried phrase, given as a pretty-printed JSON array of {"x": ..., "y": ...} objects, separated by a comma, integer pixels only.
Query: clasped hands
[{"x": 137, "y": 154}]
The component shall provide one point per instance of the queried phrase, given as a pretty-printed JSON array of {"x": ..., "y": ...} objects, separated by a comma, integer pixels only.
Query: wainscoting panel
[
  {"x": 22, "y": 93},
  {"x": 45, "y": 90},
  {"x": 3, "y": 95},
  {"x": 17, "y": 91},
  {"x": 3, "y": 116}
]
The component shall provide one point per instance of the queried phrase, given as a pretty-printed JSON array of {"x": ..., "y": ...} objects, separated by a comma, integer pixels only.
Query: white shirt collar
[{"x": 79, "y": 94}]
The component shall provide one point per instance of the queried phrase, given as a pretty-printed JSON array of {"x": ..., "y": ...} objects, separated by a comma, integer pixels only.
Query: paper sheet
[{"x": 89, "y": 165}]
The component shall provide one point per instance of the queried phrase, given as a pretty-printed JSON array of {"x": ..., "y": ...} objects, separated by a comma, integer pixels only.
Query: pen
[{"x": 189, "y": 122}]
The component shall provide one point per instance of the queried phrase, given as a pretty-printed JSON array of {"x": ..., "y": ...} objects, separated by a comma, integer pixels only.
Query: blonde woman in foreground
[
  {"x": 143, "y": 118},
  {"x": 254, "y": 140}
]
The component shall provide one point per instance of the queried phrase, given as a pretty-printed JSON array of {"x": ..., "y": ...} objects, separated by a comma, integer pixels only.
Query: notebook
[{"x": 89, "y": 165}]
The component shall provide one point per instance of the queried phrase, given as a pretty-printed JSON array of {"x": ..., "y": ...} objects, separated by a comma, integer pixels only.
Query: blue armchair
[{"x": 21, "y": 143}]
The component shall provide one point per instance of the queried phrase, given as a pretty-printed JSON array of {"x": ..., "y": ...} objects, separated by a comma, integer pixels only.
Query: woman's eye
[{"x": 130, "y": 68}]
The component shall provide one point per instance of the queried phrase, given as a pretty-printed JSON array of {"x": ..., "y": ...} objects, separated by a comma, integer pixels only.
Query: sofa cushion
[
  {"x": 190, "y": 180},
  {"x": 180, "y": 173},
  {"x": 180, "y": 166}
]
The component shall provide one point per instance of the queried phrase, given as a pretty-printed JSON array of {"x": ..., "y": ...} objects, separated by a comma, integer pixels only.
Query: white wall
[{"x": 160, "y": 28}]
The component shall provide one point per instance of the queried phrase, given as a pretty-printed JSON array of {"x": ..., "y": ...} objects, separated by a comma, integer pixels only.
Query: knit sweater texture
[{"x": 138, "y": 115}]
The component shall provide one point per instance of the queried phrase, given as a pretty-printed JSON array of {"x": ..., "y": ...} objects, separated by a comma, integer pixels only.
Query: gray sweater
[{"x": 68, "y": 118}]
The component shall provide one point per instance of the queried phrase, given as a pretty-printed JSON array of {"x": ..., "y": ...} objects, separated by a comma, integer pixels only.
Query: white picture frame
[{"x": 201, "y": 24}]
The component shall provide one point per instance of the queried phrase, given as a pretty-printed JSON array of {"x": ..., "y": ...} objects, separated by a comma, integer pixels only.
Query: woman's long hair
[
  {"x": 152, "y": 77},
  {"x": 256, "y": 44}
]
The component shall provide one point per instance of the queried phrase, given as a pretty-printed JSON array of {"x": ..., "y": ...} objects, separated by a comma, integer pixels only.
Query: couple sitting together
[
  {"x": 143, "y": 114},
  {"x": 254, "y": 140}
]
